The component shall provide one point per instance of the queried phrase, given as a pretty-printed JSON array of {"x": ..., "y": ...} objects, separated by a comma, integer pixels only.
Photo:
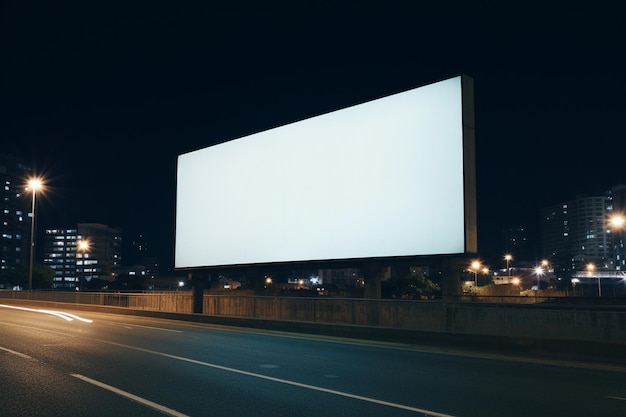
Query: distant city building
[
  {"x": 138, "y": 249},
  {"x": 578, "y": 232},
  {"x": 139, "y": 255},
  {"x": 15, "y": 216},
  {"x": 342, "y": 277},
  {"x": 555, "y": 237},
  {"x": 105, "y": 247},
  {"x": 588, "y": 226},
  {"x": 60, "y": 254},
  {"x": 518, "y": 244},
  {"x": 72, "y": 264},
  {"x": 617, "y": 206}
]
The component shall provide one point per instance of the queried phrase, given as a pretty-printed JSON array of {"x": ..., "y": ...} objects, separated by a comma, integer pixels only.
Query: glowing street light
[
  {"x": 539, "y": 273},
  {"x": 617, "y": 223},
  {"x": 508, "y": 258},
  {"x": 590, "y": 268},
  {"x": 34, "y": 184},
  {"x": 475, "y": 266},
  {"x": 83, "y": 246}
]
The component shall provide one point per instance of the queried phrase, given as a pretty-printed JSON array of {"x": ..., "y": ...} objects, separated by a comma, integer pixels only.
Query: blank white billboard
[{"x": 381, "y": 179}]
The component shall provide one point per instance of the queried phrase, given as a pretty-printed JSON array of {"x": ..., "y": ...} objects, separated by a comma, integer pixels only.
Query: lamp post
[
  {"x": 33, "y": 185},
  {"x": 617, "y": 222},
  {"x": 475, "y": 265},
  {"x": 508, "y": 258},
  {"x": 539, "y": 273},
  {"x": 590, "y": 268},
  {"x": 83, "y": 246}
]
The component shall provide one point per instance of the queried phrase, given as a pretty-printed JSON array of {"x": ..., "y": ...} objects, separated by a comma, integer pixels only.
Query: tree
[
  {"x": 411, "y": 286},
  {"x": 43, "y": 277},
  {"x": 128, "y": 282}
]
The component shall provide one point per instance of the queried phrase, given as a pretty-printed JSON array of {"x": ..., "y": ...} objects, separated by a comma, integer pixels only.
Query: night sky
[{"x": 101, "y": 99}]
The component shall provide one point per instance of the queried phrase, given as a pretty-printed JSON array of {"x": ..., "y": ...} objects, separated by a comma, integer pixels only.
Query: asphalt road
[{"x": 115, "y": 365}]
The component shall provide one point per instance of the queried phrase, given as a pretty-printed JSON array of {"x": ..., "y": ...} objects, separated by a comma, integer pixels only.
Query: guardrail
[
  {"x": 167, "y": 301},
  {"x": 552, "y": 318},
  {"x": 549, "y": 328}
]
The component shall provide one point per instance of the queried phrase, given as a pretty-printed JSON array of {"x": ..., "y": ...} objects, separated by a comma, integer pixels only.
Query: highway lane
[{"x": 124, "y": 365}]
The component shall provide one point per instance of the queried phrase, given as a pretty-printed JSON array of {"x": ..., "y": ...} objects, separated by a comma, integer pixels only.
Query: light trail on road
[{"x": 61, "y": 314}]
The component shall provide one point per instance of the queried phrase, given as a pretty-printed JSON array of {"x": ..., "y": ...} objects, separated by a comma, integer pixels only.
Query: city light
[
  {"x": 34, "y": 184},
  {"x": 617, "y": 221},
  {"x": 539, "y": 273},
  {"x": 83, "y": 246},
  {"x": 590, "y": 268},
  {"x": 508, "y": 258},
  {"x": 475, "y": 265}
]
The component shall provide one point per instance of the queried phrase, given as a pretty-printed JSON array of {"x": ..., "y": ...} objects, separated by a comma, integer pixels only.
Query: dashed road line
[
  {"x": 286, "y": 381},
  {"x": 130, "y": 396},
  {"x": 21, "y": 355}
]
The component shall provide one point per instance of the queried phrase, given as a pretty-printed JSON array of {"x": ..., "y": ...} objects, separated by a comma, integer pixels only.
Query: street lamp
[
  {"x": 539, "y": 273},
  {"x": 617, "y": 222},
  {"x": 508, "y": 258},
  {"x": 83, "y": 246},
  {"x": 475, "y": 265},
  {"x": 34, "y": 184},
  {"x": 590, "y": 268}
]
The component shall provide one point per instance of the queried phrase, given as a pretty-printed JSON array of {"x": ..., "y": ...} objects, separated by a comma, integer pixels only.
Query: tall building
[
  {"x": 588, "y": 224},
  {"x": 617, "y": 207},
  {"x": 138, "y": 254},
  {"x": 518, "y": 245},
  {"x": 73, "y": 263},
  {"x": 105, "y": 246},
  {"x": 555, "y": 237},
  {"x": 60, "y": 254},
  {"x": 574, "y": 234},
  {"x": 15, "y": 216}
]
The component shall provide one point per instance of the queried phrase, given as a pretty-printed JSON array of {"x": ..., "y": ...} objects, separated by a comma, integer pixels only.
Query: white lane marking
[
  {"x": 616, "y": 398},
  {"x": 314, "y": 357},
  {"x": 285, "y": 381},
  {"x": 130, "y": 396},
  {"x": 62, "y": 314},
  {"x": 130, "y": 326},
  {"x": 22, "y": 355}
]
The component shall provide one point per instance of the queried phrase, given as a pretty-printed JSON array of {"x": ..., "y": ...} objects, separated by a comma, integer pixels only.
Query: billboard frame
[{"x": 469, "y": 201}]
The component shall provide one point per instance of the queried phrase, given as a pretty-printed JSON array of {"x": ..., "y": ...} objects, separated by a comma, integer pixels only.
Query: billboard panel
[{"x": 386, "y": 178}]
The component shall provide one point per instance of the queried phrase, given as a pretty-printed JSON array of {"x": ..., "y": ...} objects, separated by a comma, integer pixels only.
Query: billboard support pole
[
  {"x": 451, "y": 269},
  {"x": 373, "y": 273},
  {"x": 198, "y": 283}
]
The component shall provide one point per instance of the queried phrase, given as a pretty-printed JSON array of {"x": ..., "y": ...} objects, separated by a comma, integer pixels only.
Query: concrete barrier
[{"x": 576, "y": 332}]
